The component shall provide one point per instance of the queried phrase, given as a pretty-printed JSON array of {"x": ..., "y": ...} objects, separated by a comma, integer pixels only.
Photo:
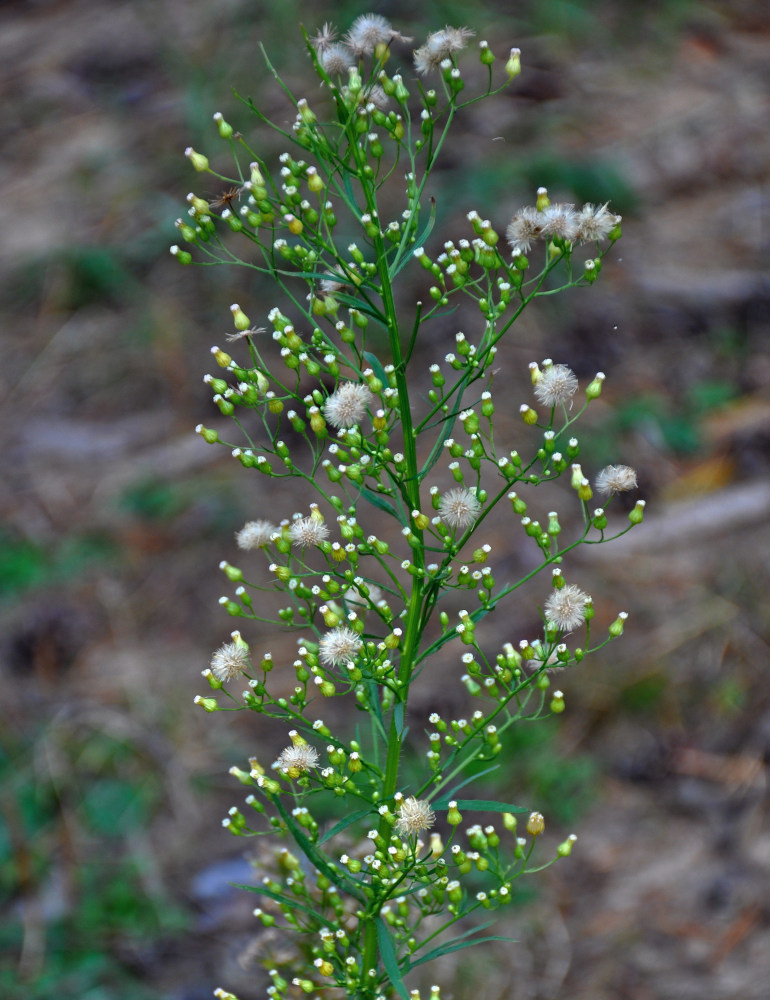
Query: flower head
[
  {"x": 346, "y": 407},
  {"x": 336, "y": 59},
  {"x": 340, "y": 645},
  {"x": 459, "y": 508},
  {"x": 230, "y": 661},
  {"x": 308, "y": 531},
  {"x": 557, "y": 384},
  {"x": 255, "y": 535},
  {"x": 324, "y": 38},
  {"x": 526, "y": 225},
  {"x": 616, "y": 479},
  {"x": 296, "y": 759},
  {"x": 566, "y": 608},
  {"x": 439, "y": 46},
  {"x": 377, "y": 97},
  {"x": 595, "y": 222},
  {"x": 414, "y": 816},
  {"x": 560, "y": 220},
  {"x": 369, "y": 31}
]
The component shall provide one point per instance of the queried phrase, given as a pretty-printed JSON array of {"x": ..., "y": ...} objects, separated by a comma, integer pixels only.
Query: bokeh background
[{"x": 114, "y": 868}]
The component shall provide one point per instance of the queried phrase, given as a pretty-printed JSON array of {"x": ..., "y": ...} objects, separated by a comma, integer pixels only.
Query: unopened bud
[
  {"x": 198, "y": 160},
  {"x": 513, "y": 66}
]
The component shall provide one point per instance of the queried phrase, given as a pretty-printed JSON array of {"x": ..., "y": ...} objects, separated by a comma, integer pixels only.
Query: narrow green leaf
[
  {"x": 286, "y": 900},
  {"x": 398, "y": 716},
  {"x": 459, "y": 937},
  {"x": 379, "y": 501},
  {"x": 389, "y": 960},
  {"x": 451, "y": 946},
  {"x": 314, "y": 856},
  {"x": 344, "y": 824},
  {"x": 402, "y": 259},
  {"x": 377, "y": 368},
  {"x": 466, "y": 781}
]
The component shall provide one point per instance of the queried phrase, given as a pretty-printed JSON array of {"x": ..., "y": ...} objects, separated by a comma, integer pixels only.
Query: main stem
[{"x": 411, "y": 490}]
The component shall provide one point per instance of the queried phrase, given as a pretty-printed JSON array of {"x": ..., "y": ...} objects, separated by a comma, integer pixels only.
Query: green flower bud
[
  {"x": 510, "y": 822},
  {"x": 198, "y": 160},
  {"x": 486, "y": 55},
  {"x": 637, "y": 514},
  {"x": 535, "y": 824},
  {"x": 594, "y": 388},
  {"x": 183, "y": 256},
  {"x": 557, "y": 703},
  {"x": 207, "y": 704},
  {"x": 616, "y": 629},
  {"x": 209, "y": 435},
  {"x": 513, "y": 66}
]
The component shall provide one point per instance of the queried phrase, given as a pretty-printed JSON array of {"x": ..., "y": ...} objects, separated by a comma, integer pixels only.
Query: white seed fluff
[
  {"x": 557, "y": 384},
  {"x": 414, "y": 816},
  {"x": 297, "y": 758},
  {"x": 566, "y": 608},
  {"x": 255, "y": 534},
  {"x": 346, "y": 407},
  {"x": 459, "y": 508},
  {"x": 616, "y": 479},
  {"x": 308, "y": 531},
  {"x": 230, "y": 661},
  {"x": 340, "y": 645}
]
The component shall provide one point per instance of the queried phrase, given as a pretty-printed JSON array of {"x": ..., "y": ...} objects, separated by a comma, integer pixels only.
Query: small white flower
[
  {"x": 369, "y": 31},
  {"x": 297, "y": 758},
  {"x": 439, "y": 45},
  {"x": 459, "y": 508},
  {"x": 324, "y": 38},
  {"x": 255, "y": 534},
  {"x": 336, "y": 59},
  {"x": 557, "y": 384},
  {"x": 560, "y": 220},
  {"x": 595, "y": 222},
  {"x": 566, "y": 608},
  {"x": 616, "y": 479},
  {"x": 346, "y": 407},
  {"x": 340, "y": 645},
  {"x": 230, "y": 661},
  {"x": 526, "y": 226},
  {"x": 414, "y": 816},
  {"x": 308, "y": 531}
]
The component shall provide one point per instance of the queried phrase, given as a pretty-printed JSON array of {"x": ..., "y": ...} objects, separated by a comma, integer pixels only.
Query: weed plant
[{"x": 377, "y": 870}]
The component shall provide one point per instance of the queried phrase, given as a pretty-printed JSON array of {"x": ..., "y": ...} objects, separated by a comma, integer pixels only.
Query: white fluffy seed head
[
  {"x": 459, "y": 508},
  {"x": 255, "y": 534},
  {"x": 230, "y": 661},
  {"x": 557, "y": 384},
  {"x": 340, "y": 645},
  {"x": 566, "y": 608},
  {"x": 414, "y": 816},
  {"x": 346, "y": 407},
  {"x": 308, "y": 531},
  {"x": 616, "y": 479}
]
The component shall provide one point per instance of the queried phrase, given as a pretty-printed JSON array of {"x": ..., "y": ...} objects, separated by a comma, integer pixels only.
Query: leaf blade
[{"x": 389, "y": 959}]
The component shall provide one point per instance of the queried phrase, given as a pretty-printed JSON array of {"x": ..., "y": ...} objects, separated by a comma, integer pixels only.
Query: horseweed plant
[{"x": 368, "y": 898}]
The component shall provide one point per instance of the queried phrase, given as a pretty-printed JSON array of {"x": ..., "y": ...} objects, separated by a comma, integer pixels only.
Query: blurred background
[{"x": 114, "y": 868}]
